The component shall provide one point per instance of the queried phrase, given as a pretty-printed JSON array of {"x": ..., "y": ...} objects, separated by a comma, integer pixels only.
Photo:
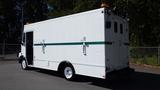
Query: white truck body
[{"x": 94, "y": 42}]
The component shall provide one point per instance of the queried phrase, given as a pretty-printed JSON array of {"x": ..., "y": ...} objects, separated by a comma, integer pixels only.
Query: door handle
[
  {"x": 84, "y": 46},
  {"x": 84, "y": 49},
  {"x": 43, "y": 46}
]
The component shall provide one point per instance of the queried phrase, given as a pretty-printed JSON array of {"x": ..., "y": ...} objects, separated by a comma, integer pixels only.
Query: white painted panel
[
  {"x": 68, "y": 33},
  {"x": 40, "y": 63},
  {"x": 71, "y": 29},
  {"x": 88, "y": 70}
]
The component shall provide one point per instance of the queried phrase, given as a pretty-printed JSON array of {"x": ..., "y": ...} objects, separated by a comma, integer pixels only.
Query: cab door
[{"x": 29, "y": 48}]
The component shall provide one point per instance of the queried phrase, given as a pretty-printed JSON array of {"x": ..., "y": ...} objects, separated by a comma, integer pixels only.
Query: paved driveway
[{"x": 13, "y": 78}]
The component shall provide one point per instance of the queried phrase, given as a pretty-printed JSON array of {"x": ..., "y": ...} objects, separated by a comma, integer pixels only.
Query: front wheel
[
  {"x": 24, "y": 65},
  {"x": 69, "y": 73}
]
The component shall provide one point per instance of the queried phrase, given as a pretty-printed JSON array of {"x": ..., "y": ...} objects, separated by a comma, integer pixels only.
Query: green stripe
[{"x": 72, "y": 43}]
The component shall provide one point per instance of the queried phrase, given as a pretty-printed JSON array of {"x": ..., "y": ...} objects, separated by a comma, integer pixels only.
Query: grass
[{"x": 149, "y": 60}]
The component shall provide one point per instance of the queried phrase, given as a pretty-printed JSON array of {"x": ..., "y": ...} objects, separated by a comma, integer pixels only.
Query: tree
[
  {"x": 61, "y": 7},
  {"x": 18, "y": 12},
  {"x": 35, "y": 10},
  {"x": 144, "y": 22},
  {"x": 8, "y": 20}
]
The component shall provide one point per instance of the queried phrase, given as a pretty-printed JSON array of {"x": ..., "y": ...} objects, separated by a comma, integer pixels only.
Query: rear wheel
[
  {"x": 24, "y": 65},
  {"x": 69, "y": 72}
]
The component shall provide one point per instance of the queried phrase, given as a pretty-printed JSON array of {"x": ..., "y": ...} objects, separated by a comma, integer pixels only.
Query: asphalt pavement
[{"x": 12, "y": 77}]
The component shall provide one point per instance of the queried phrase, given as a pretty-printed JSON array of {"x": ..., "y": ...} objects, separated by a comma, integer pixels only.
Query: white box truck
[{"x": 93, "y": 43}]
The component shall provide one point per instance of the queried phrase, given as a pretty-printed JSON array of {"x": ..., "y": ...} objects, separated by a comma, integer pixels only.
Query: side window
[
  {"x": 108, "y": 24},
  {"x": 115, "y": 27},
  {"x": 121, "y": 28}
]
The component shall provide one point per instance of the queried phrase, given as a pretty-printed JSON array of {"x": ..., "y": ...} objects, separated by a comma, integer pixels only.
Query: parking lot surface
[{"x": 12, "y": 77}]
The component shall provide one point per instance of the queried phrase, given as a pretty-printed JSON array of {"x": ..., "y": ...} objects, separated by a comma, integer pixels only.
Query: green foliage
[
  {"x": 84, "y": 5},
  {"x": 70, "y": 6},
  {"x": 15, "y": 13},
  {"x": 147, "y": 56},
  {"x": 147, "y": 60},
  {"x": 144, "y": 22},
  {"x": 35, "y": 10}
]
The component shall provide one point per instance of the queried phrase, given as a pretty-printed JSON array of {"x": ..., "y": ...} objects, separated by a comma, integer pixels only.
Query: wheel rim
[
  {"x": 68, "y": 72},
  {"x": 24, "y": 64}
]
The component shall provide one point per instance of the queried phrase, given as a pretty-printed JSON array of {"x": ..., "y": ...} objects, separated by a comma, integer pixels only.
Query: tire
[
  {"x": 24, "y": 65},
  {"x": 69, "y": 73}
]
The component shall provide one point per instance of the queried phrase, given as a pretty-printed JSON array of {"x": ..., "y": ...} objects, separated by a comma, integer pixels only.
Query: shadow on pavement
[
  {"x": 138, "y": 81},
  {"x": 49, "y": 72}
]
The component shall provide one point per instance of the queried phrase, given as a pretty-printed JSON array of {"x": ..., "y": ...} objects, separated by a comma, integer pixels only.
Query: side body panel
[
  {"x": 78, "y": 39},
  {"x": 83, "y": 40}
]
